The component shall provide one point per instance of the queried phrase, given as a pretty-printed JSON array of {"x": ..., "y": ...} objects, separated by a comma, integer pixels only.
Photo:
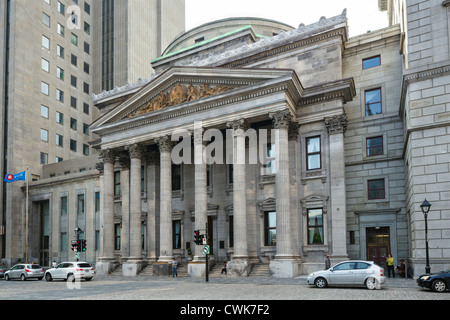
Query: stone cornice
[{"x": 421, "y": 74}]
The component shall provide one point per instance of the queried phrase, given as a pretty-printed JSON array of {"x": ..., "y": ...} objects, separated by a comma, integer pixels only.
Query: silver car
[
  {"x": 351, "y": 273},
  {"x": 24, "y": 272}
]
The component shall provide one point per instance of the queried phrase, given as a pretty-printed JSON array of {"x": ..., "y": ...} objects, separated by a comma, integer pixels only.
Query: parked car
[
  {"x": 70, "y": 271},
  {"x": 438, "y": 282},
  {"x": 2, "y": 272},
  {"x": 25, "y": 271},
  {"x": 349, "y": 273}
]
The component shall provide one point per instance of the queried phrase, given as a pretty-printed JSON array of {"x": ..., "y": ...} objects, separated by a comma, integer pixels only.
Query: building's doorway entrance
[{"x": 378, "y": 245}]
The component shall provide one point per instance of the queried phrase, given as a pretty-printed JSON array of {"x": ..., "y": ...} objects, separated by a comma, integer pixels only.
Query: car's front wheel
[
  {"x": 48, "y": 277},
  {"x": 438, "y": 286},
  {"x": 7, "y": 277},
  {"x": 321, "y": 283}
]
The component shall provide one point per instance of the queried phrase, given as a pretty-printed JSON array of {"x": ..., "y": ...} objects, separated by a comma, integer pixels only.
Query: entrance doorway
[{"x": 378, "y": 245}]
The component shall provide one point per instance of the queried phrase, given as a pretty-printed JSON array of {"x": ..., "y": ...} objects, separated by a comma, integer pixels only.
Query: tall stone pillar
[
  {"x": 125, "y": 196},
  {"x": 197, "y": 267},
  {"x": 284, "y": 265},
  {"x": 134, "y": 263},
  {"x": 336, "y": 127},
  {"x": 239, "y": 265},
  {"x": 153, "y": 194},
  {"x": 105, "y": 263},
  {"x": 166, "y": 246}
]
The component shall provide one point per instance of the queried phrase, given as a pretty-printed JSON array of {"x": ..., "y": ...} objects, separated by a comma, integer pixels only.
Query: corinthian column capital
[
  {"x": 281, "y": 119},
  {"x": 336, "y": 124},
  {"x": 164, "y": 143},
  {"x": 108, "y": 156},
  {"x": 136, "y": 151},
  {"x": 240, "y": 124}
]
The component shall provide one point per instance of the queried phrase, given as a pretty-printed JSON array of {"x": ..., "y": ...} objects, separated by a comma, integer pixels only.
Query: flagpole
[{"x": 26, "y": 219}]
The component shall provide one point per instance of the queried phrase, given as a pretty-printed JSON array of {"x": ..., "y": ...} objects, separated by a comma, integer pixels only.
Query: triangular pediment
[{"x": 180, "y": 86}]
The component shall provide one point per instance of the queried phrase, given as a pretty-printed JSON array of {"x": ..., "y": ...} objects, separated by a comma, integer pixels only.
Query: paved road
[{"x": 224, "y": 288}]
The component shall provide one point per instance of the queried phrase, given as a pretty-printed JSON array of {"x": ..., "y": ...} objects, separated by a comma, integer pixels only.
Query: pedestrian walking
[
  {"x": 390, "y": 265},
  {"x": 327, "y": 262},
  {"x": 174, "y": 268}
]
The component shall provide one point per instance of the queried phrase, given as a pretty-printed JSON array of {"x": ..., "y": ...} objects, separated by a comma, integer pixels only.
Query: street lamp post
[{"x": 425, "y": 206}]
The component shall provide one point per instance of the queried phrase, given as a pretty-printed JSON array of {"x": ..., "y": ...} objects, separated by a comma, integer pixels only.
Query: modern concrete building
[
  {"x": 50, "y": 51},
  {"x": 343, "y": 139}
]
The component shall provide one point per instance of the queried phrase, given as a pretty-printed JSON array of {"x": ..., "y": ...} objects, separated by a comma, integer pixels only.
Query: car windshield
[{"x": 84, "y": 265}]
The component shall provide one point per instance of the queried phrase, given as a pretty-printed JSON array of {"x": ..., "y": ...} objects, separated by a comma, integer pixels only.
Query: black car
[{"x": 438, "y": 282}]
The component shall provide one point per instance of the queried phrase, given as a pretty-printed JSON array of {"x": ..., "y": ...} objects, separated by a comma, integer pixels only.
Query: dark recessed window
[
  {"x": 373, "y": 102},
  {"x": 371, "y": 62},
  {"x": 374, "y": 146},
  {"x": 376, "y": 189},
  {"x": 315, "y": 226}
]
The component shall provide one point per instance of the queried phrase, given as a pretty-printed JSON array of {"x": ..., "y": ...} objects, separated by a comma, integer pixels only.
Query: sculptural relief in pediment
[{"x": 177, "y": 95}]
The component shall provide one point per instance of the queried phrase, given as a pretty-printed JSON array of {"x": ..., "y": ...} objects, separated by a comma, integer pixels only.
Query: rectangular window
[
  {"x": 376, "y": 189},
  {"x": 74, "y": 39},
  {"x": 73, "y": 145},
  {"x": 59, "y": 118},
  {"x": 80, "y": 204},
  {"x": 44, "y": 135},
  {"x": 315, "y": 226},
  {"x": 60, "y": 51},
  {"x": 59, "y": 140},
  {"x": 44, "y": 111},
  {"x": 374, "y": 146},
  {"x": 270, "y": 224},
  {"x": 373, "y": 102},
  {"x": 44, "y": 158},
  {"x": 313, "y": 153},
  {"x": 63, "y": 206},
  {"x": 44, "y": 88},
  {"x": 117, "y": 183},
  {"x": 176, "y": 177},
  {"x": 176, "y": 228},
  {"x": 270, "y": 167},
  {"x": 45, "y": 42},
  {"x": 97, "y": 202},
  {"x": 60, "y": 73},
  {"x": 60, "y": 29},
  {"x": 371, "y": 62},
  {"x": 59, "y": 95},
  {"x": 63, "y": 242},
  {"x": 45, "y": 65},
  {"x": 117, "y": 231},
  {"x": 46, "y": 19}
]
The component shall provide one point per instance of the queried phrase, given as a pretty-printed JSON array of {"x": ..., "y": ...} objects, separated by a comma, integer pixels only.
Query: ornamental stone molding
[
  {"x": 240, "y": 124},
  {"x": 336, "y": 124},
  {"x": 281, "y": 119},
  {"x": 164, "y": 143},
  {"x": 108, "y": 156},
  {"x": 136, "y": 151}
]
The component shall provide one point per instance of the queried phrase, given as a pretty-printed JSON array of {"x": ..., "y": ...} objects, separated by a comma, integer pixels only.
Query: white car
[
  {"x": 70, "y": 271},
  {"x": 361, "y": 273}
]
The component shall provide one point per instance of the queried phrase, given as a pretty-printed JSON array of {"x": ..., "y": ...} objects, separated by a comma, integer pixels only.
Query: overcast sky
[{"x": 363, "y": 15}]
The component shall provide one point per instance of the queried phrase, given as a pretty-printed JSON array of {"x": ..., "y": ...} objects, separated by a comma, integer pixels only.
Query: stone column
[
  {"x": 125, "y": 196},
  {"x": 336, "y": 127},
  {"x": 135, "y": 258},
  {"x": 284, "y": 265},
  {"x": 197, "y": 266},
  {"x": 166, "y": 246},
  {"x": 105, "y": 263},
  {"x": 240, "y": 262},
  {"x": 153, "y": 194}
]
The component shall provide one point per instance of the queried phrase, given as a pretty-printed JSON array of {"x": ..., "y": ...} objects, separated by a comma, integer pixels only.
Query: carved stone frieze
[{"x": 177, "y": 95}]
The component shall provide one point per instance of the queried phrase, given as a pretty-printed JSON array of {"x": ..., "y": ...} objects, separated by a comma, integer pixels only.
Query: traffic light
[
  {"x": 83, "y": 245},
  {"x": 197, "y": 237},
  {"x": 75, "y": 246}
]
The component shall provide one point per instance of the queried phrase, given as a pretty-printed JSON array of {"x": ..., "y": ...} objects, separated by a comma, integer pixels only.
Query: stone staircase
[
  {"x": 260, "y": 270},
  {"x": 148, "y": 271}
]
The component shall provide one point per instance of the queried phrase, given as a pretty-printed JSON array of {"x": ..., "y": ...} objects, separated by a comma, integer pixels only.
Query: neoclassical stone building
[{"x": 282, "y": 144}]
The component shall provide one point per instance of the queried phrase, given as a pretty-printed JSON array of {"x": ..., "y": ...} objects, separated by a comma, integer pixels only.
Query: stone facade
[{"x": 357, "y": 137}]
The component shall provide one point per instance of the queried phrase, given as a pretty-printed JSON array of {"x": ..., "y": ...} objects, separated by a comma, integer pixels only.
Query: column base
[
  {"x": 132, "y": 268},
  {"x": 284, "y": 268},
  {"x": 104, "y": 266},
  {"x": 239, "y": 267},
  {"x": 197, "y": 269},
  {"x": 161, "y": 269}
]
